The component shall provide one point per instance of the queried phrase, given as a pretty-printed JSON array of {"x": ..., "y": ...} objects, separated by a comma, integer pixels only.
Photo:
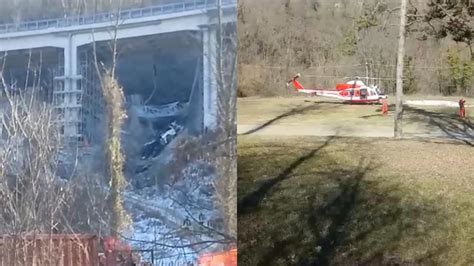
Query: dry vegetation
[
  {"x": 329, "y": 40},
  {"x": 20, "y": 10},
  {"x": 34, "y": 201},
  {"x": 340, "y": 201}
]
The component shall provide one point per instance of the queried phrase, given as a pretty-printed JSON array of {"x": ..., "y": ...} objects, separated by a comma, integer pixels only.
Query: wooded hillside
[
  {"x": 21, "y": 10},
  {"x": 327, "y": 41}
]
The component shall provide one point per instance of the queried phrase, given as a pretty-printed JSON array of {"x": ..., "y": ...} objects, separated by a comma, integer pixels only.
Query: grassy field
[
  {"x": 354, "y": 201},
  {"x": 316, "y": 116},
  {"x": 256, "y": 109},
  {"x": 300, "y": 110}
]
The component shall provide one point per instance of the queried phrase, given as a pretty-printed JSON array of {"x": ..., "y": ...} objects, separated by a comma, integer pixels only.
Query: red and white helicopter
[{"x": 354, "y": 91}]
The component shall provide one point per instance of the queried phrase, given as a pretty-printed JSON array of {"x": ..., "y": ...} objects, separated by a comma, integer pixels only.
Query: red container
[{"x": 44, "y": 249}]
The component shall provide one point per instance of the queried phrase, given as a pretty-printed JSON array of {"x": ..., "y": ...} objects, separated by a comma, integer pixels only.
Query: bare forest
[
  {"x": 23, "y": 10},
  {"x": 329, "y": 40}
]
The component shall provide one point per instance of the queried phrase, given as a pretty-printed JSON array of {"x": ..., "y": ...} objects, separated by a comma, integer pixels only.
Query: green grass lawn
[
  {"x": 291, "y": 110},
  {"x": 354, "y": 201}
]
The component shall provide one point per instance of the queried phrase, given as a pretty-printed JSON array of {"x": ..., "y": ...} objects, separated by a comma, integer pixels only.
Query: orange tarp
[{"x": 227, "y": 258}]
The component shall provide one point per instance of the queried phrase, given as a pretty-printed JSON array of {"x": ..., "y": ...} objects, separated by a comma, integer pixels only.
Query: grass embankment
[{"x": 350, "y": 201}]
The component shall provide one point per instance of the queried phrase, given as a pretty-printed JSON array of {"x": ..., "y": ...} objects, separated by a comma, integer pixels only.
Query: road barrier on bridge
[{"x": 187, "y": 5}]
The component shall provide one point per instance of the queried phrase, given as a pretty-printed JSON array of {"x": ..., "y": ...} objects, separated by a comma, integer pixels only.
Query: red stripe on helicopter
[{"x": 297, "y": 85}]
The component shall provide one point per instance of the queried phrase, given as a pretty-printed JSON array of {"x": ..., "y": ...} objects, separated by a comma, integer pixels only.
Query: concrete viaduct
[{"x": 70, "y": 33}]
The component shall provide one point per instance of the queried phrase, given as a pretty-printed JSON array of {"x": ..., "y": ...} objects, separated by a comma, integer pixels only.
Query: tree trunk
[
  {"x": 471, "y": 51},
  {"x": 226, "y": 86},
  {"x": 401, "y": 54}
]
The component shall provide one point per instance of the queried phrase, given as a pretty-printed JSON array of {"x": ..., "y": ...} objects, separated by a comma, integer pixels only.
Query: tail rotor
[{"x": 295, "y": 82}]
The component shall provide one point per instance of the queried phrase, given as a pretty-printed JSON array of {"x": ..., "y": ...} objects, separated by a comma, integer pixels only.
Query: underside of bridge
[
  {"x": 160, "y": 68},
  {"x": 153, "y": 70},
  {"x": 32, "y": 69}
]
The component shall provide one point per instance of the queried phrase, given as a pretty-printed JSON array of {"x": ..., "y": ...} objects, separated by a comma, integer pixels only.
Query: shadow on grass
[
  {"x": 338, "y": 211},
  {"x": 293, "y": 111},
  {"x": 338, "y": 217},
  {"x": 251, "y": 201},
  {"x": 450, "y": 124},
  {"x": 391, "y": 108},
  {"x": 328, "y": 102},
  {"x": 345, "y": 103}
]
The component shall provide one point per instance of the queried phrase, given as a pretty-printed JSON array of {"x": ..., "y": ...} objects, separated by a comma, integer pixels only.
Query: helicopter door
[{"x": 363, "y": 94}]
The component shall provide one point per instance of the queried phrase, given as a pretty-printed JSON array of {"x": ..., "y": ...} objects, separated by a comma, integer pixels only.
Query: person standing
[{"x": 462, "y": 109}]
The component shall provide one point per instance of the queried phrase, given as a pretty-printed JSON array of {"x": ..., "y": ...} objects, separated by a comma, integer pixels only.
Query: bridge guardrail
[{"x": 187, "y": 5}]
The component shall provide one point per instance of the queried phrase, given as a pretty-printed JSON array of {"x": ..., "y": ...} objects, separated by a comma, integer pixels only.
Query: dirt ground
[{"x": 314, "y": 116}]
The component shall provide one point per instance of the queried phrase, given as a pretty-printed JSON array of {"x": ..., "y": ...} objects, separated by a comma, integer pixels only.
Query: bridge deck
[{"x": 185, "y": 5}]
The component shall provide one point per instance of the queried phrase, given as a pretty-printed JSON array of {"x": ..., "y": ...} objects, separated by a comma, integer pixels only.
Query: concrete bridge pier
[
  {"x": 67, "y": 94},
  {"x": 210, "y": 87}
]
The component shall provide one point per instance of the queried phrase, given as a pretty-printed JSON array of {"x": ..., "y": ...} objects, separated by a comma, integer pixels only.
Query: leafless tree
[
  {"x": 115, "y": 115},
  {"x": 34, "y": 199},
  {"x": 32, "y": 196},
  {"x": 401, "y": 56},
  {"x": 227, "y": 98},
  {"x": 337, "y": 40}
]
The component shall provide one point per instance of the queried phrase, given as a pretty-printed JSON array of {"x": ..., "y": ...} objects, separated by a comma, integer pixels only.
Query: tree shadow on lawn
[
  {"x": 449, "y": 123},
  {"x": 292, "y": 112},
  {"x": 251, "y": 201},
  {"x": 327, "y": 102},
  {"x": 338, "y": 217}
]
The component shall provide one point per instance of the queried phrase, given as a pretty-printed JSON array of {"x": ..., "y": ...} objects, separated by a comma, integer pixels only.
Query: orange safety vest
[
  {"x": 462, "y": 110},
  {"x": 384, "y": 106}
]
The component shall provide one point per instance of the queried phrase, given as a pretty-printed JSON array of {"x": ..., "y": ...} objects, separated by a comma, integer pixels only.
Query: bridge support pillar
[
  {"x": 71, "y": 66},
  {"x": 209, "y": 44},
  {"x": 68, "y": 95}
]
